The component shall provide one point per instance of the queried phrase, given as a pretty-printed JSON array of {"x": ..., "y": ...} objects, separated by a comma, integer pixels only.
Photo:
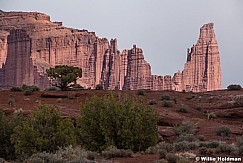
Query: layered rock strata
[{"x": 30, "y": 43}]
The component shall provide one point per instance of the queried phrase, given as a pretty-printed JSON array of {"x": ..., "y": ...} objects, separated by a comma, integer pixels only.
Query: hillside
[{"x": 207, "y": 110}]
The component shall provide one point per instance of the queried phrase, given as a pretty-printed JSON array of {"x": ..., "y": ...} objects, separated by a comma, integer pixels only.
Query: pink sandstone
[{"x": 30, "y": 43}]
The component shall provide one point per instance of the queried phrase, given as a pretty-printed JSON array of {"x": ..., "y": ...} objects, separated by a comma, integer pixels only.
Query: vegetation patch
[
  {"x": 223, "y": 131},
  {"x": 185, "y": 128},
  {"x": 182, "y": 109},
  {"x": 112, "y": 152},
  {"x": 124, "y": 123},
  {"x": 233, "y": 87},
  {"x": 166, "y": 103}
]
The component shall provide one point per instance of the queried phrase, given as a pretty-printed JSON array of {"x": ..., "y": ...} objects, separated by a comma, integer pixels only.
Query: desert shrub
[
  {"x": 161, "y": 161},
  {"x": 185, "y": 128},
  {"x": 240, "y": 145},
  {"x": 11, "y": 101},
  {"x": 77, "y": 87},
  {"x": 185, "y": 145},
  {"x": 99, "y": 87},
  {"x": 16, "y": 89},
  {"x": 171, "y": 158},
  {"x": 32, "y": 88},
  {"x": 205, "y": 151},
  {"x": 162, "y": 153},
  {"x": 52, "y": 89},
  {"x": 182, "y": 109},
  {"x": 201, "y": 138},
  {"x": 7, "y": 125},
  {"x": 140, "y": 92},
  {"x": 210, "y": 144},
  {"x": 199, "y": 108},
  {"x": 234, "y": 87},
  {"x": 223, "y": 131},
  {"x": 165, "y": 97},
  {"x": 152, "y": 102},
  {"x": 225, "y": 149},
  {"x": 124, "y": 123},
  {"x": 68, "y": 154},
  {"x": 27, "y": 92},
  {"x": 161, "y": 146},
  {"x": 186, "y": 137},
  {"x": 112, "y": 152},
  {"x": 212, "y": 115},
  {"x": 166, "y": 146},
  {"x": 71, "y": 95},
  {"x": 43, "y": 124},
  {"x": 213, "y": 144},
  {"x": 166, "y": 103}
]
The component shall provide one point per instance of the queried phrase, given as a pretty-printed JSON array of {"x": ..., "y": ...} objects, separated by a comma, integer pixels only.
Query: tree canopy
[
  {"x": 65, "y": 75},
  {"x": 122, "y": 122}
]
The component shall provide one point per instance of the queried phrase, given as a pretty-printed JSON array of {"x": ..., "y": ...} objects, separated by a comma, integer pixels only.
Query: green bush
[
  {"x": 205, "y": 151},
  {"x": 152, "y": 102},
  {"x": 32, "y": 88},
  {"x": 7, "y": 125},
  {"x": 165, "y": 97},
  {"x": 213, "y": 144},
  {"x": 162, "y": 153},
  {"x": 166, "y": 103},
  {"x": 186, "y": 137},
  {"x": 182, "y": 109},
  {"x": 124, "y": 123},
  {"x": 171, "y": 158},
  {"x": 185, "y": 128},
  {"x": 45, "y": 130},
  {"x": 199, "y": 108},
  {"x": 52, "y": 89},
  {"x": 234, "y": 87},
  {"x": 99, "y": 87},
  {"x": 113, "y": 152},
  {"x": 185, "y": 145},
  {"x": 223, "y": 131},
  {"x": 201, "y": 137},
  {"x": 160, "y": 146},
  {"x": 68, "y": 154},
  {"x": 77, "y": 87},
  {"x": 225, "y": 149},
  {"x": 16, "y": 89}
]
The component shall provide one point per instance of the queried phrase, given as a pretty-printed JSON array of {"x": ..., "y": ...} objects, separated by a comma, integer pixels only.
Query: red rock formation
[
  {"x": 30, "y": 43},
  {"x": 202, "y": 70}
]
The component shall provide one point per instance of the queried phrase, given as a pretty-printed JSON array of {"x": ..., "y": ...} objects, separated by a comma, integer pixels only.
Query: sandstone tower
[
  {"x": 202, "y": 70},
  {"x": 30, "y": 43}
]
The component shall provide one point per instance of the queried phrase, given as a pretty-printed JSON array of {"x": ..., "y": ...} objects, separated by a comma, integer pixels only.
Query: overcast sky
[{"x": 164, "y": 29}]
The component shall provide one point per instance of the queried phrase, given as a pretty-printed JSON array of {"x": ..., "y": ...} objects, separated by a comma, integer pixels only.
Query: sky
[{"x": 164, "y": 29}]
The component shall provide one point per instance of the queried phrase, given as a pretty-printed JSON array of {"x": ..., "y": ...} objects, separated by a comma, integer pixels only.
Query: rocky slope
[{"x": 30, "y": 43}]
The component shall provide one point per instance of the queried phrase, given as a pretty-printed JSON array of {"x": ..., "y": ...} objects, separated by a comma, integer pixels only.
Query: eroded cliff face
[{"x": 30, "y": 43}]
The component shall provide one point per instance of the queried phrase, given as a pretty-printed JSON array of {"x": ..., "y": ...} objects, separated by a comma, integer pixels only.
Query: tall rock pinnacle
[{"x": 202, "y": 70}]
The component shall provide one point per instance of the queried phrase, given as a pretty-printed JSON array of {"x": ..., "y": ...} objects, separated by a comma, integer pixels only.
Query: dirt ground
[{"x": 226, "y": 105}]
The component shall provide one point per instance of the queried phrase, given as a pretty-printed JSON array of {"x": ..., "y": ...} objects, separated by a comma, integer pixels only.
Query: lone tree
[{"x": 65, "y": 75}]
